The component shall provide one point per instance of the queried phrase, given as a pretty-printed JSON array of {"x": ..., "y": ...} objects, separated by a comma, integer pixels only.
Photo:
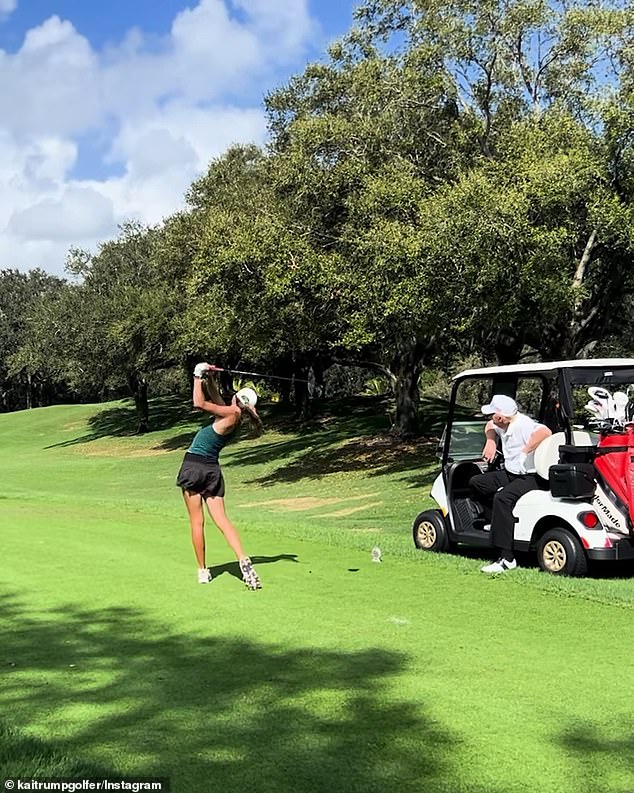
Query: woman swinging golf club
[{"x": 200, "y": 477}]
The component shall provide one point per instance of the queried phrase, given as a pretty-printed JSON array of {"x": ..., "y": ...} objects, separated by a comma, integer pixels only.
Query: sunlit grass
[{"x": 414, "y": 674}]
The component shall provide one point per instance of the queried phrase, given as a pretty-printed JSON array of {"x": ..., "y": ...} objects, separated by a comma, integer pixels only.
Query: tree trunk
[
  {"x": 508, "y": 347},
  {"x": 406, "y": 397},
  {"x": 138, "y": 386},
  {"x": 582, "y": 327},
  {"x": 406, "y": 367},
  {"x": 283, "y": 367},
  {"x": 29, "y": 391},
  {"x": 319, "y": 365},
  {"x": 302, "y": 397},
  {"x": 561, "y": 343}
]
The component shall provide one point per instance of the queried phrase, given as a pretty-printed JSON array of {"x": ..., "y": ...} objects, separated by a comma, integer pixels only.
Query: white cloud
[
  {"x": 24, "y": 255},
  {"x": 7, "y": 7},
  {"x": 51, "y": 85},
  {"x": 164, "y": 109},
  {"x": 81, "y": 212}
]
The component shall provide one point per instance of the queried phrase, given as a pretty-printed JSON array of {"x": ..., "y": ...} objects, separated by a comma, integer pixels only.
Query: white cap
[
  {"x": 501, "y": 404},
  {"x": 247, "y": 397}
]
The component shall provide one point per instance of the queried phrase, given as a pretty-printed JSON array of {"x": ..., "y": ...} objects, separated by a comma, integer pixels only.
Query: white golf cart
[{"x": 586, "y": 510}]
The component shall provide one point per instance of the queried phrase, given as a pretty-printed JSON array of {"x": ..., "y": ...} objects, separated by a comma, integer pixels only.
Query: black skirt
[{"x": 202, "y": 475}]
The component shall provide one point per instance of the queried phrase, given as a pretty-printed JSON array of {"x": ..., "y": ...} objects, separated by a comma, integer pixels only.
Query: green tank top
[{"x": 208, "y": 443}]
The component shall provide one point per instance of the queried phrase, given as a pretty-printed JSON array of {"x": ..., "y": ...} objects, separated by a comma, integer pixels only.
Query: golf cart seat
[{"x": 548, "y": 451}]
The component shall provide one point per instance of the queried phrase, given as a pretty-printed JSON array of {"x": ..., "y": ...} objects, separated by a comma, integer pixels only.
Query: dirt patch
[
  {"x": 341, "y": 513},
  {"x": 296, "y": 504},
  {"x": 73, "y": 426},
  {"x": 118, "y": 450},
  {"x": 302, "y": 503}
]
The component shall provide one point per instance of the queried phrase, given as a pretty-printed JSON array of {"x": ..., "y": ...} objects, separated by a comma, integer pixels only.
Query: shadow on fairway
[
  {"x": 316, "y": 445},
  {"x": 220, "y": 713},
  {"x": 603, "y": 755},
  {"x": 22, "y": 756},
  {"x": 168, "y": 412},
  {"x": 320, "y": 455},
  {"x": 233, "y": 568},
  {"x": 356, "y": 439},
  {"x": 347, "y": 435},
  {"x": 528, "y": 560},
  {"x": 121, "y": 421}
]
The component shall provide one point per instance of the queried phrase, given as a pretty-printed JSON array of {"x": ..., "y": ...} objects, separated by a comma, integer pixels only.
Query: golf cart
[{"x": 585, "y": 510}]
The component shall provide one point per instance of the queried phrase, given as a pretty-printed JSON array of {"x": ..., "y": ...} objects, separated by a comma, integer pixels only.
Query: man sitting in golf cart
[{"x": 498, "y": 491}]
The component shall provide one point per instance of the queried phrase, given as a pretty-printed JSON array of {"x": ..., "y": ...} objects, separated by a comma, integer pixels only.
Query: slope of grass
[{"x": 414, "y": 674}]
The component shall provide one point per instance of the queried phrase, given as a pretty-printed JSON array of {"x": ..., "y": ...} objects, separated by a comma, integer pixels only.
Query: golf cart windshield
[
  {"x": 463, "y": 438},
  {"x": 465, "y": 442},
  {"x": 589, "y": 394}
]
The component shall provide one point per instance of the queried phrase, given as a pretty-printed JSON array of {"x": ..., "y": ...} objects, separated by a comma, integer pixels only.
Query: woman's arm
[
  {"x": 211, "y": 392},
  {"x": 210, "y": 402}
]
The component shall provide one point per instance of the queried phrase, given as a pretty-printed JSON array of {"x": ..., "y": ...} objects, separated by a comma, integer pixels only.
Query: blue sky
[
  {"x": 105, "y": 23},
  {"x": 112, "y": 109}
]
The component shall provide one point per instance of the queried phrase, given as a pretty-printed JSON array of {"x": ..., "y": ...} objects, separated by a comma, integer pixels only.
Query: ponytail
[{"x": 255, "y": 422}]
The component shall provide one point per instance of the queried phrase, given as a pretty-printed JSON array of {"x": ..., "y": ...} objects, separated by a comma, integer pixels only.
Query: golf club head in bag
[
  {"x": 594, "y": 408},
  {"x": 628, "y": 407},
  {"x": 621, "y": 402},
  {"x": 602, "y": 399}
]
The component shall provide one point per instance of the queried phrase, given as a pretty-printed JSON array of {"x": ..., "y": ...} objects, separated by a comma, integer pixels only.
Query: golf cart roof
[{"x": 548, "y": 366}]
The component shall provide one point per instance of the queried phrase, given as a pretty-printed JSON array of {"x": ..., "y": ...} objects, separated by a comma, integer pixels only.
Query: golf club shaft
[{"x": 267, "y": 376}]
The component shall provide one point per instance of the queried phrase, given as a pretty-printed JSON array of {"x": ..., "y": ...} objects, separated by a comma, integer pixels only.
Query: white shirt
[{"x": 514, "y": 439}]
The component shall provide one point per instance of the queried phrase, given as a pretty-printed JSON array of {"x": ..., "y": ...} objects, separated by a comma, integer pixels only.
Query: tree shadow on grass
[
  {"x": 24, "y": 757},
  {"x": 345, "y": 417},
  {"x": 122, "y": 420},
  {"x": 216, "y": 712},
  {"x": 604, "y": 756},
  {"x": 374, "y": 455},
  {"x": 350, "y": 442}
]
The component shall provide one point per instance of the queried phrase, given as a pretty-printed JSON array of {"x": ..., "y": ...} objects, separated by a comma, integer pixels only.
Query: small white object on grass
[{"x": 376, "y": 554}]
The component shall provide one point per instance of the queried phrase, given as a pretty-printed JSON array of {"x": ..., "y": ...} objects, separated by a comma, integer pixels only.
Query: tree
[
  {"x": 24, "y": 376},
  {"x": 541, "y": 235},
  {"x": 421, "y": 100},
  {"x": 119, "y": 323},
  {"x": 256, "y": 289}
]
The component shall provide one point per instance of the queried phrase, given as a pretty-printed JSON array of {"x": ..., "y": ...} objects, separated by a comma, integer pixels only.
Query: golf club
[{"x": 267, "y": 376}]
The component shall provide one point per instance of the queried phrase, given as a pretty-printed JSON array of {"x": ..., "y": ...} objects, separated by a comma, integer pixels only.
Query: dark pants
[{"x": 498, "y": 492}]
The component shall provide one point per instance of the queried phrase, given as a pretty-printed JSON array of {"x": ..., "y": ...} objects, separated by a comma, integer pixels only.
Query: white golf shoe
[
  {"x": 249, "y": 576},
  {"x": 501, "y": 566},
  {"x": 204, "y": 575}
]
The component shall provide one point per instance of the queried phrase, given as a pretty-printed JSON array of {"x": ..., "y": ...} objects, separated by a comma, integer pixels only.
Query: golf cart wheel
[
  {"x": 430, "y": 531},
  {"x": 559, "y": 552}
]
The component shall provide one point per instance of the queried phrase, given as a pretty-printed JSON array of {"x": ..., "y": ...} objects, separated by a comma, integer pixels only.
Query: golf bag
[{"x": 613, "y": 458}]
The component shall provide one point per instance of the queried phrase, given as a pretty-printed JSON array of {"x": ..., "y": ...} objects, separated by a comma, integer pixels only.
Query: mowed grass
[{"x": 414, "y": 674}]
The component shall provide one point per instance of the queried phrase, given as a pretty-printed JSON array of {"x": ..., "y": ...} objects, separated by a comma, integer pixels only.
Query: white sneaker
[
  {"x": 501, "y": 566},
  {"x": 486, "y": 527},
  {"x": 204, "y": 575}
]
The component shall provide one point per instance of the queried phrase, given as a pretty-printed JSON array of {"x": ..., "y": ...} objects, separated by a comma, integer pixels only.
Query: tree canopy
[{"x": 453, "y": 177}]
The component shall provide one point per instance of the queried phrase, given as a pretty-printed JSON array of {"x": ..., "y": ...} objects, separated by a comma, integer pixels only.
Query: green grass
[{"x": 415, "y": 674}]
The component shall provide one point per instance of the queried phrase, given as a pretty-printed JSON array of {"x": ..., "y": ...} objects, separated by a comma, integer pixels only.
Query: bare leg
[
  {"x": 194, "y": 504},
  {"x": 216, "y": 507}
]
